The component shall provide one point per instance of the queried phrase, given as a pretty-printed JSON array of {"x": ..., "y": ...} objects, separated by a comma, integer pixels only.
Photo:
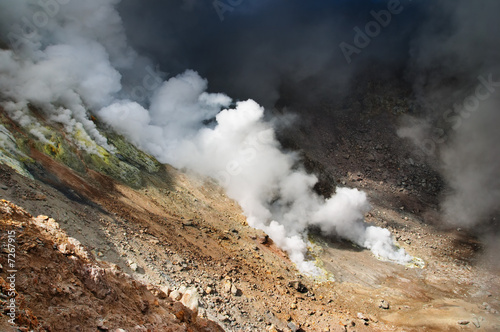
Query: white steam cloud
[{"x": 75, "y": 63}]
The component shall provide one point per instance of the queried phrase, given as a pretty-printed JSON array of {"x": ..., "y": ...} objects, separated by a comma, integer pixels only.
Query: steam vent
[{"x": 237, "y": 165}]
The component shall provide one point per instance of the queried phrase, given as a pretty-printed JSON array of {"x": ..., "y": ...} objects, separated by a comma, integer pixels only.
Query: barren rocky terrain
[
  {"x": 142, "y": 142},
  {"x": 59, "y": 286},
  {"x": 175, "y": 236}
]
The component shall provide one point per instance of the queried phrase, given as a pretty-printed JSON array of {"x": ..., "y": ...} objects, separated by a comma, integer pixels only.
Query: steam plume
[
  {"x": 79, "y": 60},
  {"x": 456, "y": 74}
]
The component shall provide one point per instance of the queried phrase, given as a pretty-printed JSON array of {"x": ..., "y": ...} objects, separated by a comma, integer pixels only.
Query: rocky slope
[
  {"x": 135, "y": 219},
  {"x": 58, "y": 285}
]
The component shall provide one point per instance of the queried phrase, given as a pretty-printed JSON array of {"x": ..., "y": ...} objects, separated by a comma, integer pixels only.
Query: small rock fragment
[
  {"x": 263, "y": 239},
  {"x": 223, "y": 318},
  {"x": 175, "y": 295},
  {"x": 234, "y": 290},
  {"x": 272, "y": 328},
  {"x": 298, "y": 286},
  {"x": 227, "y": 286},
  {"x": 165, "y": 291},
  {"x": 384, "y": 305},
  {"x": 101, "y": 326},
  {"x": 362, "y": 316},
  {"x": 191, "y": 299},
  {"x": 293, "y": 327},
  {"x": 144, "y": 306}
]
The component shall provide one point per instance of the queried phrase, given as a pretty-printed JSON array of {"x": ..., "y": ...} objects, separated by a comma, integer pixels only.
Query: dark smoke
[
  {"x": 261, "y": 46},
  {"x": 455, "y": 69}
]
